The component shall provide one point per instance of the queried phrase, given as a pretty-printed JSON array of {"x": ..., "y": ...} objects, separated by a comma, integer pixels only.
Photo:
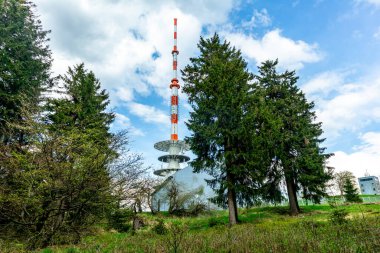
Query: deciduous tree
[{"x": 340, "y": 179}]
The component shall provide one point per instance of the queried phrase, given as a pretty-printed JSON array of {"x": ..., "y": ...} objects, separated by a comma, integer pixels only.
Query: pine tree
[
  {"x": 25, "y": 67},
  {"x": 217, "y": 85},
  {"x": 294, "y": 135},
  {"x": 350, "y": 191}
]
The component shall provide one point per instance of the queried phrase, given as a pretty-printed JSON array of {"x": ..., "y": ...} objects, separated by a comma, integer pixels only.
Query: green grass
[{"x": 264, "y": 229}]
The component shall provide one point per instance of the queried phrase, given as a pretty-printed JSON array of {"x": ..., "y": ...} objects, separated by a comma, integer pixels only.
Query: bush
[
  {"x": 120, "y": 220},
  {"x": 160, "y": 228},
  {"x": 196, "y": 209},
  {"x": 338, "y": 216},
  {"x": 214, "y": 221},
  {"x": 176, "y": 235}
]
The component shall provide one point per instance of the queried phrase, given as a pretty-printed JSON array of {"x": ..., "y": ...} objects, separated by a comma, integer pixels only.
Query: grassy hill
[{"x": 320, "y": 228}]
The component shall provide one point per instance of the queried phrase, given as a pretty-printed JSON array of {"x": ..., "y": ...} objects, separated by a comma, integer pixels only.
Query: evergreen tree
[
  {"x": 25, "y": 62},
  {"x": 62, "y": 183},
  {"x": 217, "y": 85},
  {"x": 350, "y": 191},
  {"x": 293, "y": 136},
  {"x": 340, "y": 179},
  {"x": 83, "y": 106}
]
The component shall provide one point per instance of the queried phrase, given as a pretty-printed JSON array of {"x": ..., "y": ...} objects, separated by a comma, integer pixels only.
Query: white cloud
[
  {"x": 122, "y": 122},
  {"x": 291, "y": 54},
  {"x": 366, "y": 157},
  {"x": 374, "y": 2},
  {"x": 116, "y": 39},
  {"x": 148, "y": 113},
  {"x": 258, "y": 18},
  {"x": 125, "y": 94},
  {"x": 355, "y": 106},
  {"x": 324, "y": 83},
  {"x": 376, "y": 35}
]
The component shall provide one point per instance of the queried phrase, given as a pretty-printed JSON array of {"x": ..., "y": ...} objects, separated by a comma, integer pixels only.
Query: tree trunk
[
  {"x": 293, "y": 203},
  {"x": 295, "y": 195},
  {"x": 231, "y": 200},
  {"x": 139, "y": 207}
]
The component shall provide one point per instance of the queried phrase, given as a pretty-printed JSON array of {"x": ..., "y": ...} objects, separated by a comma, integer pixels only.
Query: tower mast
[
  {"x": 174, "y": 146},
  {"x": 174, "y": 86}
]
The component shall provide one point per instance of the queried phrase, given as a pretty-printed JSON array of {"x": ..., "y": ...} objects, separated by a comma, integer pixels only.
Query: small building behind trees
[
  {"x": 369, "y": 185},
  {"x": 183, "y": 190}
]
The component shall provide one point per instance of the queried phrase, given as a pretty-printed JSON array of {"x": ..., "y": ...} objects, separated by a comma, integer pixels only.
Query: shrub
[
  {"x": 120, "y": 219},
  {"x": 160, "y": 228},
  {"x": 338, "y": 216},
  {"x": 176, "y": 235},
  {"x": 196, "y": 209},
  {"x": 214, "y": 221}
]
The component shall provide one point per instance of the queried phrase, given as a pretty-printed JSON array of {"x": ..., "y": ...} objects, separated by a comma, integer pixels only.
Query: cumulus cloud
[
  {"x": 259, "y": 18},
  {"x": 126, "y": 43},
  {"x": 148, "y": 113},
  {"x": 373, "y": 2},
  {"x": 122, "y": 122},
  {"x": 353, "y": 106},
  {"x": 324, "y": 83},
  {"x": 291, "y": 54},
  {"x": 365, "y": 158}
]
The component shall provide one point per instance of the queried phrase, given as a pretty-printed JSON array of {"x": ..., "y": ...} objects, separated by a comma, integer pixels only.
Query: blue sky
[{"x": 334, "y": 46}]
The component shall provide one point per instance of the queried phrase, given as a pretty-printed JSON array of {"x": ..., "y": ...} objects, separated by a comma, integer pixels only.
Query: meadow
[{"x": 320, "y": 228}]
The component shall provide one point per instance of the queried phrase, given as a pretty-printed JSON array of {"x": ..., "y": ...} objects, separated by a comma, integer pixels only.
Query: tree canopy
[
  {"x": 294, "y": 135},
  {"x": 25, "y": 66},
  {"x": 252, "y": 132},
  {"x": 217, "y": 83}
]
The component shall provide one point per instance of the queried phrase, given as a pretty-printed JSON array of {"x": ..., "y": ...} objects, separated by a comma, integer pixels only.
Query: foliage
[
  {"x": 217, "y": 84},
  {"x": 62, "y": 183},
  {"x": 196, "y": 208},
  {"x": 182, "y": 202},
  {"x": 311, "y": 232},
  {"x": 214, "y": 221},
  {"x": 350, "y": 191},
  {"x": 338, "y": 216},
  {"x": 159, "y": 228},
  {"x": 252, "y": 136},
  {"x": 120, "y": 219},
  {"x": 293, "y": 137},
  {"x": 176, "y": 236},
  {"x": 25, "y": 67},
  {"x": 82, "y": 107},
  {"x": 341, "y": 177}
]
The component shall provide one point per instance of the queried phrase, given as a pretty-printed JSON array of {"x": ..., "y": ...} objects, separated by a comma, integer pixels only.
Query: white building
[
  {"x": 193, "y": 185},
  {"x": 369, "y": 185}
]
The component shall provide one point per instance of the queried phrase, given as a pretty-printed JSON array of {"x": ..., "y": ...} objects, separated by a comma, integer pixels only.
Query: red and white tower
[
  {"x": 174, "y": 147},
  {"x": 174, "y": 86}
]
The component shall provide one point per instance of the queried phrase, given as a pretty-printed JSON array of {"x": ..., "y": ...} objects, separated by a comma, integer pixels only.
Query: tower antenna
[
  {"x": 174, "y": 146},
  {"x": 174, "y": 86}
]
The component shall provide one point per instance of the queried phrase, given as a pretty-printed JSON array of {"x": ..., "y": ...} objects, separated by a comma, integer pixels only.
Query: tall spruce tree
[
  {"x": 25, "y": 62},
  {"x": 217, "y": 85},
  {"x": 295, "y": 136},
  {"x": 83, "y": 106}
]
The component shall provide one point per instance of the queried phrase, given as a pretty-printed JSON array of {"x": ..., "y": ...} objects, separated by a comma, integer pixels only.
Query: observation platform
[
  {"x": 166, "y": 145},
  {"x": 174, "y": 158}
]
